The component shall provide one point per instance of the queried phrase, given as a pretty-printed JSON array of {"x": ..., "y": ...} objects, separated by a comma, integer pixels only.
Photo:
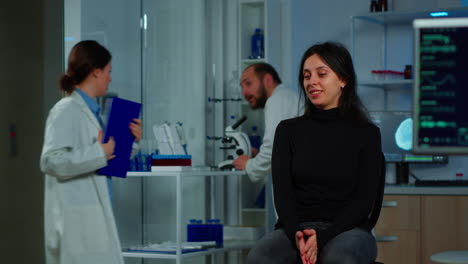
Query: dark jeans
[{"x": 356, "y": 246}]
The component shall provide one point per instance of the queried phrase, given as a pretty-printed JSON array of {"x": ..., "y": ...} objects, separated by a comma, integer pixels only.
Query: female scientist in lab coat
[{"x": 79, "y": 222}]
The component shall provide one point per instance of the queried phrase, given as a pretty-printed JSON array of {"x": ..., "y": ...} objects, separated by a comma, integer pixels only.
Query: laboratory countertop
[{"x": 411, "y": 189}]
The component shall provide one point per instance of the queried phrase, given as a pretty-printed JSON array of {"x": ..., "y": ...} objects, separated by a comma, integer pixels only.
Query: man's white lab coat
[
  {"x": 282, "y": 104},
  {"x": 79, "y": 222}
]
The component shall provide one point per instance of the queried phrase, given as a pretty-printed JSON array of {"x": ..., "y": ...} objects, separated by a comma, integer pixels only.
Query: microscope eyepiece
[{"x": 239, "y": 122}]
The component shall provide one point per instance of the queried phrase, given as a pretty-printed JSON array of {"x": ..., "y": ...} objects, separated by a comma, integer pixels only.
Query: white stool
[{"x": 451, "y": 257}]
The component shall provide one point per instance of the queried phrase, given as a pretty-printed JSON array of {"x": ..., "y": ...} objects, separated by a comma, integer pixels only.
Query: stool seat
[{"x": 451, "y": 257}]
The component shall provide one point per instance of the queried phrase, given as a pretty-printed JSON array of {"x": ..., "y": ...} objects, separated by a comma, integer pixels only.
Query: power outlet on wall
[{"x": 12, "y": 140}]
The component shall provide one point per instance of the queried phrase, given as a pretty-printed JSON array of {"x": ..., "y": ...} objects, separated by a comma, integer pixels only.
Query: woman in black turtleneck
[{"x": 325, "y": 166}]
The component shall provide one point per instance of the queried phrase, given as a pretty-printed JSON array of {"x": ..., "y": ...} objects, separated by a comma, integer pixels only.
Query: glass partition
[{"x": 159, "y": 59}]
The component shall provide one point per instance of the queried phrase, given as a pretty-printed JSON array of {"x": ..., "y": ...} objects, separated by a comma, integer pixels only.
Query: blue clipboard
[{"x": 121, "y": 114}]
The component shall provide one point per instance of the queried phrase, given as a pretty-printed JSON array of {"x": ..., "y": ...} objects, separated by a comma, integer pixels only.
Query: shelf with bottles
[
  {"x": 251, "y": 18},
  {"x": 251, "y": 22},
  {"x": 407, "y": 17},
  {"x": 384, "y": 20},
  {"x": 388, "y": 48}
]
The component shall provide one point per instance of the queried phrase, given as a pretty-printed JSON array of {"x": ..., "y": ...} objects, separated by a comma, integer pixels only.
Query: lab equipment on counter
[
  {"x": 397, "y": 135},
  {"x": 142, "y": 160},
  {"x": 236, "y": 143},
  {"x": 171, "y": 138},
  {"x": 171, "y": 162},
  {"x": 172, "y": 148}
]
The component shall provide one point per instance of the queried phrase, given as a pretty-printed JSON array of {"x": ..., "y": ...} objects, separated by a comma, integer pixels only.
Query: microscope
[{"x": 236, "y": 143}]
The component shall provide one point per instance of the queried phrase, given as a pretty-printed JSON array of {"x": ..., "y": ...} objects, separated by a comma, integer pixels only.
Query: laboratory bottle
[
  {"x": 133, "y": 164},
  {"x": 408, "y": 73},
  {"x": 373, "y": 6},
  {"x": 383, "y": 5},
  {"x": 257, "y": 45},
  {"x": 379, "y": 6},
  {"x": 255, "y": 139}
]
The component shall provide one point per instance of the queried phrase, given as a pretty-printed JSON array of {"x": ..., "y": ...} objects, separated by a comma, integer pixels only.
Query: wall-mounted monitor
[
  {"x": 396, "y": 129},
  {"x": 441, "y": 86}
]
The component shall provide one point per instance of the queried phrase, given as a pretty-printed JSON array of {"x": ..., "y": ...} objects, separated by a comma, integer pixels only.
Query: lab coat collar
[
  {"x": 84, "y": 107},
  {"x": 89, "y": 101},
  {"x": 278, "y": 87}
]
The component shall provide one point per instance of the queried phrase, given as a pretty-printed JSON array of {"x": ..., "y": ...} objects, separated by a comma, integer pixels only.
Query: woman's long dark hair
[
  {"x": 85, "y": 56},
  {"x": 337, "y": 57}
]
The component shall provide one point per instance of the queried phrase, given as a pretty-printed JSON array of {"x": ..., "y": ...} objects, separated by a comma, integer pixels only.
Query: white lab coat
[
  {"x": 79, "y": 222},
  {"x": 282, "y": 104}
]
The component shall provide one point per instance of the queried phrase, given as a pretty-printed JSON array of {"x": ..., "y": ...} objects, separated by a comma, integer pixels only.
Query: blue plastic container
[
  {"x": 255, "y": 139},
  {"x": 218, "y": 231},
  {"x": 257, "y": 45},
  {"x": 215, "y": 230},
  {"x": 195, "y": 231}
]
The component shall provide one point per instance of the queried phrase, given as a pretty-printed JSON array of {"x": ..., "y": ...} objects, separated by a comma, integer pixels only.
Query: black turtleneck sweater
[{"x": 325, "y": 169}]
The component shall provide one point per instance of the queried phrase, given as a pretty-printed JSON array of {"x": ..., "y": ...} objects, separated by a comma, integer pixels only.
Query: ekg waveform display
[{"x": 443, "y": 87}]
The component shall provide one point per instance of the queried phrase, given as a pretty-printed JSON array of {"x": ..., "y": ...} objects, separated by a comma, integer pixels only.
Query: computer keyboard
[{"x": 437, "y": 183}]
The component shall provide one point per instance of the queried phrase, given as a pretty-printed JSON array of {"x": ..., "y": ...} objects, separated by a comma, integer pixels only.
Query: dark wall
[{"x": 24, "y": 71}]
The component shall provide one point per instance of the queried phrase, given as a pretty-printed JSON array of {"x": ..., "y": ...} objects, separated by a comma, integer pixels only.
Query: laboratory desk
[{"x": 417, "y": 222}]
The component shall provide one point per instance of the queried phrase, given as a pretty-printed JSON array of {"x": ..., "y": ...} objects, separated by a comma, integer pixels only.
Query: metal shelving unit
[
  {"x": 178, "y": 176},
  {"x": 386, "y": 19},
  {"x": 228, "y": 246},
  {"x": 252, "y": 14}
]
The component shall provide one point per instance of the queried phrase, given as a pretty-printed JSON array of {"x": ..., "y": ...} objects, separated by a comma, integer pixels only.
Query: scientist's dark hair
[
  {"x": 337, "y": 57},
  {"x": 262, "y": 68},
  {"x": 85, "y": 56}
]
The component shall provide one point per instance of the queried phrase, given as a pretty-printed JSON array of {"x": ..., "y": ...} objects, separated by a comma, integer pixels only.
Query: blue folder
[{"x": 121, "y": 114}]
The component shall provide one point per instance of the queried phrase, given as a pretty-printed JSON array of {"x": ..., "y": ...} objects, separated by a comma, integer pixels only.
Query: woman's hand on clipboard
[
  {"x": 135, "y": 127},
  {"x": 108, "y": 147}
]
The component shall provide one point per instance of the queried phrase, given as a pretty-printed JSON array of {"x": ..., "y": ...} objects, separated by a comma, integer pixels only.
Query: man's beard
[{"x": 261, "y": 100}]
